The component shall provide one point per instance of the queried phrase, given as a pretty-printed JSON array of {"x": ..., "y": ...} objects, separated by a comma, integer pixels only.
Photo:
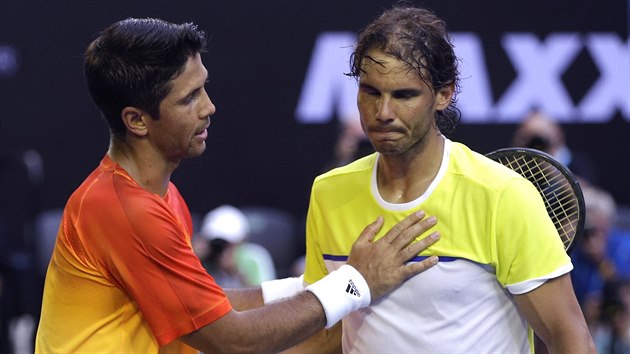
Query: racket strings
[{"x": 556, "y": 190}]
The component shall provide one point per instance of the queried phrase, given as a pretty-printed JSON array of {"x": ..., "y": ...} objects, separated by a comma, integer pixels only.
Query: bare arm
[
  {"x": 553, "y": 312},
  {"x": 280, "y": 325},
  {"x": 245, "y": 298},
  {"x": 326, "y": 341},
  {"x": 267, "y": 329}
]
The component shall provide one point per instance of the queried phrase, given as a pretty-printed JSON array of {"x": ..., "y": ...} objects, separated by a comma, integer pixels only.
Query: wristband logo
[{"x": 352, "y": 289}]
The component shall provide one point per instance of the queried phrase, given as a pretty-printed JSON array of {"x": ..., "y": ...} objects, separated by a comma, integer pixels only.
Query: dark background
[{"x": 258, "y": 153}]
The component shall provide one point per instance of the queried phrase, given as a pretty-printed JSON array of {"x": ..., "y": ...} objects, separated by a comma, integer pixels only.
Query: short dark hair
[
  {"x": 132, "y": 62},
  {"x": 419, "y": 38}
]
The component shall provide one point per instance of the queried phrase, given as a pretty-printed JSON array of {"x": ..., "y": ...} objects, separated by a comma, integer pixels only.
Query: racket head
[{"x": 557, "y": 185}]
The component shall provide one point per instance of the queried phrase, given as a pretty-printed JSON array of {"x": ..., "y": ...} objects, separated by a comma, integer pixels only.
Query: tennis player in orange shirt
[{"x": 123, "y": 277}]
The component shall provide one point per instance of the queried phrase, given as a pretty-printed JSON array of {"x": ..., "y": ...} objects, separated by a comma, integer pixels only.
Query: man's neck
[
  {"x": 149, "y": 169},
  {"x": 403, "y": 178}
]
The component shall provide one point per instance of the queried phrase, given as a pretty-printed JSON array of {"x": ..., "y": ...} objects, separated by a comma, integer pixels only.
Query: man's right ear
[{"x": 133, "y": 118}]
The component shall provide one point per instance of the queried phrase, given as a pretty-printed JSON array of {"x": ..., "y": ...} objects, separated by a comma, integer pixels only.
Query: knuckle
[
  {"x": 397, "y": 229},
  {"x": 424, "y": 243},
  {"x": 425, "y": 224},
  {"x": 404, "y": 235}
]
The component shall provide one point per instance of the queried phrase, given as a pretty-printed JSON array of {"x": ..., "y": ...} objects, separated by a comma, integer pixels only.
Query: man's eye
[
  {"x": 405, "y": 95},
  {"x": 371, "y": 92},
  {"x": 191, "y": 97}
]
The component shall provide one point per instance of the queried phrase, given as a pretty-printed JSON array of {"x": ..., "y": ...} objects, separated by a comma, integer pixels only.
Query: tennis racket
[{"x": 557, "y": 185}]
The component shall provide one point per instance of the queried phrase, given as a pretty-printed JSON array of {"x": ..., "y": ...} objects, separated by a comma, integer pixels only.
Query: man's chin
[
  {"x": 388, "y": 149},
  {"x": 196, "y": 152}
]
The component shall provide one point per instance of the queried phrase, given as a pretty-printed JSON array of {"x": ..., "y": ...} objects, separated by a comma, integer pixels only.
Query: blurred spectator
[
  {"x": 541, "y": 132},
  {"x": 611, "y": 334},
  {"x": 351, "y": 143},
  {"x": 222, "y": 247},
  {"x": 592, "y": 259},
  {"x": 297, "y": 268},
  {"x": 600, "y": 257}
]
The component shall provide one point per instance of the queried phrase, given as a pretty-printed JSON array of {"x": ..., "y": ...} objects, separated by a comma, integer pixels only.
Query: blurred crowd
[{"x": 601, "y": 274}]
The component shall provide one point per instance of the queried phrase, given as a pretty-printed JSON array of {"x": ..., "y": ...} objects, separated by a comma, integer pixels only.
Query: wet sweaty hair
[
  {"x": 132, "y": 62},
  {"x": 418, "y": 38}
]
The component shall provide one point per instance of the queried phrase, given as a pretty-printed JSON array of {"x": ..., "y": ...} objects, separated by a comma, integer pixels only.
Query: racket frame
[{"x": 511, "y": 152}]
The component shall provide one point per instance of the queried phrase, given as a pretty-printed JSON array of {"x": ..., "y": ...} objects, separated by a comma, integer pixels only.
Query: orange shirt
[{"x": 123, "y": 277}]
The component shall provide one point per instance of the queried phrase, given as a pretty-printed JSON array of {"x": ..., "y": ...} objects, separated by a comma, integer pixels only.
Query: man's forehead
[
  {"x": 193, "y": 71},
  {"x": 389, "y": 66}
]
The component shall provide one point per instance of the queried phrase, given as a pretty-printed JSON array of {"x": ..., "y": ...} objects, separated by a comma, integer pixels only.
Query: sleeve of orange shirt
[{"x": 144, "y": 248}]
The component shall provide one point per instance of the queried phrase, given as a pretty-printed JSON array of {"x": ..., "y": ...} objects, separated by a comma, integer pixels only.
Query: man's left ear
[
  {"x": 134, "y": 119},
  {"x": 444, "y": 96}
]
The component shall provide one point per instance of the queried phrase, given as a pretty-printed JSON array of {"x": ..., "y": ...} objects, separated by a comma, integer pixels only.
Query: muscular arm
[
  {"x": 282, "y": 324},
  {"x": 245, "y": 299},
  {"x": 325, "y": 341},
  {"x": 553, "y": 312},
  {"x": 268, "y": 329}
]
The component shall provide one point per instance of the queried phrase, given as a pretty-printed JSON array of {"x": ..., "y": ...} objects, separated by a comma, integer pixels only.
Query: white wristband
[
  {"x": 341, "y": 292},
  {"x": 281, "y": 288}
]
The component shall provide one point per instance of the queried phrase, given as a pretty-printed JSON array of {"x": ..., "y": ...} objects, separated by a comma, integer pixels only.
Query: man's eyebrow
[
  {"x": 401, "y": 91},
  {"x": 408, "y": 91},
  {"x": 189, "y": 93}
]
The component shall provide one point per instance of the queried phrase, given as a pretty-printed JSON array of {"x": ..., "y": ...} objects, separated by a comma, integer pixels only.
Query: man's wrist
[
  {"x": 277, "y": 289},
  {"x": 341, "y": 292}
]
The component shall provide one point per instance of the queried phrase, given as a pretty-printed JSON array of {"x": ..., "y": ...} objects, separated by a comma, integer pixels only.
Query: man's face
[
  {"x": 181, "y": 130},
  {"x": 397, "y": 108},
  {"x": 539, "y": 132}
]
